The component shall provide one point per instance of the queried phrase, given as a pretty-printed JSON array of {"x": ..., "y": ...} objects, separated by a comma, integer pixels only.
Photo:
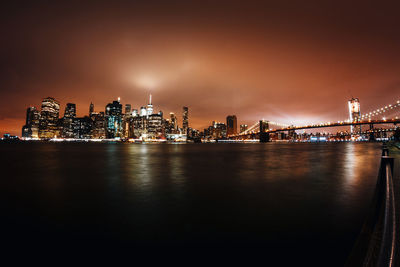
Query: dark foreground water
[{"x": 289, "y": 204}]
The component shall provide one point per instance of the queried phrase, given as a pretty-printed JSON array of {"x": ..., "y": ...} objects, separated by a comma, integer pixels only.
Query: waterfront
[{"x": 308, "y": 199}]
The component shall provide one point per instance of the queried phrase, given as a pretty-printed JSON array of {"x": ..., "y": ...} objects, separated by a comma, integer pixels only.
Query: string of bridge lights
[
  {"x": 367, "y": 115},
  {"x": 254, "y": 128},
  {"x": 251, "y": 128},
  {"x": 379, "y": 111}
]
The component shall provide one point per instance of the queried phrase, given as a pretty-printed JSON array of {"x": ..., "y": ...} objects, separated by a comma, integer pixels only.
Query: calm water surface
[{"x": 307, "y": 201}]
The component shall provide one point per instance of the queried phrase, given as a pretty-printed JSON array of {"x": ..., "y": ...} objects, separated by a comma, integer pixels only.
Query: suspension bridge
[{"x": 264, "y": 128}]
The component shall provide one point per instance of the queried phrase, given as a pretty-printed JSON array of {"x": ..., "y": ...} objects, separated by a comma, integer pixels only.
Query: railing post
[
  {"x": 376, "y": 244},
  {"x": 388, "y": 234}
]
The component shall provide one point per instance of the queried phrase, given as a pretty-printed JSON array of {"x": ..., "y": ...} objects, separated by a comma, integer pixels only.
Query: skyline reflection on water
[{"x": 308, "y": 198}]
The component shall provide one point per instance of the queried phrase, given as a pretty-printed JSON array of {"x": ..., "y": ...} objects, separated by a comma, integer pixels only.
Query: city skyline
[
  {"x": 293, "y": 63},
  {"x": 123, "y": 123},
  {"x": 115, "y": 121}
]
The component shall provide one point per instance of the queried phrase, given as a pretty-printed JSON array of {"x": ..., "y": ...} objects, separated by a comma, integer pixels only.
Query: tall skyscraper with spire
[
  {"x": 91, "y": 109},
  {"x": 149, "y": 107}
]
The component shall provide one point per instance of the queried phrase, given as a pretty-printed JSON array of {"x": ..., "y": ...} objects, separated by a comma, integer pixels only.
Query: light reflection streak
[{"x": 350, "y": 165}]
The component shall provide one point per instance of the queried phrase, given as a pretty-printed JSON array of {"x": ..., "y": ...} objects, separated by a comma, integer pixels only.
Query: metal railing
[{"x": 376, "y": 243}]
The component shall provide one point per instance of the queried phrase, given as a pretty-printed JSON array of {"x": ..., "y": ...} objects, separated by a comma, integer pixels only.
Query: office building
[
  {"x": 49, "y": 114},
  {"x": 31, "y": 127},
  {"x": 113, "y": 117},
  {"x": 69, "y": 120},
  {"x": 155, "y": 125},
  {"x": 231, "y": 125},
  {"x": 128, "y": 109},
  {"x": 149, "y": 109},
  {"x": 218, "y": 130},
  {"x": 99, "y": 126},
  {"x": 126, "y": 122},
  {"x": 173, "y": 122},
  {"x": 185, "y": 120},
  {"x": 83, "y": 128}
]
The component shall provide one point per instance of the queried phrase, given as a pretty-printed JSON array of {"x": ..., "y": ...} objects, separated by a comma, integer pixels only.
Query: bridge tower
[
  {"x": 354, "y": 115},
  {"x": 264, "y": 137}
]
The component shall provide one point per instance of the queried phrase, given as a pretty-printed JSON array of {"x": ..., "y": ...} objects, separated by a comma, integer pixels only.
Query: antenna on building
[{"x": 150, "y": 100}]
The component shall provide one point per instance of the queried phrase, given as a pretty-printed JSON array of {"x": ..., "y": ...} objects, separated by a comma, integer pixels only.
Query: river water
[{"x": 304, "y": 200}]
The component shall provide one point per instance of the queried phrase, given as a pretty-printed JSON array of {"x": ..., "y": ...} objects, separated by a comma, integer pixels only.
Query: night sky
[{"x": 293, "y": 62}]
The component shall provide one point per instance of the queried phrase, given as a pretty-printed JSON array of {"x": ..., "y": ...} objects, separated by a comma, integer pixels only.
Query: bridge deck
[
  {"x": 390, "y": 121},
  {"x": 327, "y": 125}
]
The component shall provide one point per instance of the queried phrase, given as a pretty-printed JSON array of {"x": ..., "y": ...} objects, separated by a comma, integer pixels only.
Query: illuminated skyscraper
[
  {"x": 354, "y": 114},
  {"x": 31, "y": 126},
  {"x": 30, "y": 112},
  {"x": 99, "y": 126},
  {"x": 155, "y": 125},
  {"x": 69, "y": 120},
  {"x": 127, "y": 121},
  {"x": 91, "y": 109},
  {"x": 70, "y": 111},
  {"x": 231, "y": 125},
  {"x": 149, "y": 107},
  {"x": 174, "y": 122},
  {"x": 185, "y": 120},
  {"x": 49, "y": 118},
  {"x": 114, "y": 119},
  {"x": 139, "y": 125},
  {"x": 143, "y": 111},
  {"x": 83, "y": 128},
  {"x": 128, "y": 109},
  {"x": 218, "y": 130}
]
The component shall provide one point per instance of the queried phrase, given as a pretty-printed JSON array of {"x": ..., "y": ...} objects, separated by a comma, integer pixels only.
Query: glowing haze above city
[{"x": 293, "y": 63}]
